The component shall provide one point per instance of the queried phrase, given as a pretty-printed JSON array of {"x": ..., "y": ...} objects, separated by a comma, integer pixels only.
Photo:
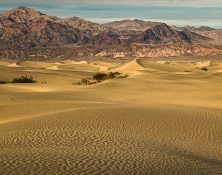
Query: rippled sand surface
[{"x": 161, "y": 120}]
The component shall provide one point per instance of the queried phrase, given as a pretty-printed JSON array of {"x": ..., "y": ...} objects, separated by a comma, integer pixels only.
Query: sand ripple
[{"x": 115, "y": 140}]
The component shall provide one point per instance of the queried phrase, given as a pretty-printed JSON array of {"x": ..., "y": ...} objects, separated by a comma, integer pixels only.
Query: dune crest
[
  {"x": 203, "y": 64},
  {"x": 132, "y": 68}
]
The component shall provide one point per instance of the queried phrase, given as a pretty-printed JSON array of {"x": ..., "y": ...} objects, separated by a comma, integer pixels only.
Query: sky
[{"x": 173, "y": 12}]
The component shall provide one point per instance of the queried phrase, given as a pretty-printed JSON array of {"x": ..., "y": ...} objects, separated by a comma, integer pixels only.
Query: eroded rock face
[
  {"x": 114, "y": 52},
  {"x": 27, "y": 28},
  {"x": 164, "y": 34},
  {"x": 28, "y": 33}
]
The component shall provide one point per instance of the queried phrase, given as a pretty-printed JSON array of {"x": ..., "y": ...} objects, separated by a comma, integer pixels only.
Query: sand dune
[
  {"x": 30, "y": 88},
  {"x": 163, "y": 120},
  {"x": 125, "y": 140},
  {"x": 53, "y": 68},
  {"x": 203, "y": 64},
  {"x": 75, "y": 62},
  {"x": 161, "y": 62},
  {"x": 132, "y": 68},
  {"x": 13, "y": 65}
]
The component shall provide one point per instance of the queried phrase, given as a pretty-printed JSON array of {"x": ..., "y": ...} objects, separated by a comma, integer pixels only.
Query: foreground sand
[{"x": 166, "y": 118}]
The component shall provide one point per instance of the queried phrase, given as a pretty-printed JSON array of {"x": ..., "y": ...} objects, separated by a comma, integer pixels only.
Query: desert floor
[{"x": 165, "y": 118}]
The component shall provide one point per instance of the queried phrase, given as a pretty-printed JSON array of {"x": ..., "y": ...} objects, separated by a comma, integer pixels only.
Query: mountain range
[{"x": 25, "y": 30}]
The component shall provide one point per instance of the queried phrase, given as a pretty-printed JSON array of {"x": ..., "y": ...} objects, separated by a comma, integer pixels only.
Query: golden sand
[{"x": 165, "y": 119}]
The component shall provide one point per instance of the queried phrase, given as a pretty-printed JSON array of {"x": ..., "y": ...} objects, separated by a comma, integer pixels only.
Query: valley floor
[{"x": 165, "y": 118}]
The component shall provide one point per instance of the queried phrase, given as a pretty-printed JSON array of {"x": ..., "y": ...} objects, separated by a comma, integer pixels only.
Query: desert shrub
[
  {"x": 123, "y": 76},
  {"x": 3, "y": 82},
  {"x": 85, "y": 82},
  {"x": 100, "y": 76},
  {"x": 24, "y": 79},
  {"x": 74, "y": 83},
  {"x": 188, "y": 71},
  {"x": 204, "y": 68},
  {"x": 103, "y": 76},
  {"x": 112, "y": 75}
]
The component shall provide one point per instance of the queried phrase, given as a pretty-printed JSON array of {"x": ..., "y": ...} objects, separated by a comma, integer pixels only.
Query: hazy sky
[{"x": 174, "y": 12}]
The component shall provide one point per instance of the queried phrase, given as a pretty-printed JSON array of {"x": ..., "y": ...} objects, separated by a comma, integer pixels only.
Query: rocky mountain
[
  {"x": 83, "y": 24},
  {"x": 164, "y": 34},
  {"x": 134, "y": 25},
  {"x": 24, "y": 29},
  {"x": 28, "y": 28}
]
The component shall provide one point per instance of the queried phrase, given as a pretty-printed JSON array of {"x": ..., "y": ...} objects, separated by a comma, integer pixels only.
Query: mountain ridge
[{"x": 25, "y": 28}]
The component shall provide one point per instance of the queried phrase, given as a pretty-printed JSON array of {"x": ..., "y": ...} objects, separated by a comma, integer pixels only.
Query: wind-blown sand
[{"x": 158, "y": 121}]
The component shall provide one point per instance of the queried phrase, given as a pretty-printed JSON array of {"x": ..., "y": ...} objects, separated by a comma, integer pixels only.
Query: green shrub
[
  {"x": 204, "y": 68},
  {"x": 123, "y": 76},
  {"x": 100, "y": 76},
  {"x": 188, "y": 71},
  {"x": 103, "y": 76},
  {"x": 24, "y": 79},
  {"x": 85, "y": 82},
  {"x": 112, "y": 75},
  {"x": 3, "y": 82}
]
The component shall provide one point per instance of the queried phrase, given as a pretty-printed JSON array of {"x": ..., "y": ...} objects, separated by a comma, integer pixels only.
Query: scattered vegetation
[
  {"x": 103, "y": 76},
  {"x": 99, "y": 77},
  {"x": 22, "y": 79},
  {"x": 123, "y": 76},
  {"x": 188, "y": 71},
  {"x": 204, "y": 68},
  {"x": 43, "y": 82},
  {"x": 3, "y": 82},
  {"x": 85, "y": 82}
]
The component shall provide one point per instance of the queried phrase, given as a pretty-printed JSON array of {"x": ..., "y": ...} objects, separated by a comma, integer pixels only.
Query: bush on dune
[
  {"x": 99, "y": 77},
  {"x": 204, "y": 68},
  {"x": 24, "y": 79},
  {"x": 3, "y": 82},
  {"x": 123, "y": 76},
  {"x": 112, "y": 75},
  {"x": 85, "y": 82}
]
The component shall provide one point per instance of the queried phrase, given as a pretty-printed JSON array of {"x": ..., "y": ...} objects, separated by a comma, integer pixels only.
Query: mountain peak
[
  {"x": 133, "y": 25},
  {"x": 23, "y": 8},
  {"x": 23, "y": 14}
]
